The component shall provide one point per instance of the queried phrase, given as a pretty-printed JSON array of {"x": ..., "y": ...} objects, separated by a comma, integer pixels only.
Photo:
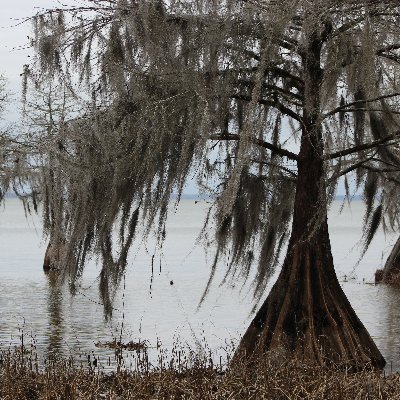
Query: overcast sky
[{"x": 14, "y": 52}]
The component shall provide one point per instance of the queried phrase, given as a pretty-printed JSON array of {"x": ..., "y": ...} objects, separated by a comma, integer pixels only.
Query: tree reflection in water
[
  {"x": 56, "y": 331},
  {"x": 390, "y": 322}
]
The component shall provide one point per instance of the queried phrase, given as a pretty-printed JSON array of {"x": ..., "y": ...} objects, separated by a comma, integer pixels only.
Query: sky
[
  {"x": 13, "y": 35},
  {"x": 14, "y": 52}
]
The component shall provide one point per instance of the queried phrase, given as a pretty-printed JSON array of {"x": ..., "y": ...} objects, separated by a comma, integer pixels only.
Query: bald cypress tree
[{"x": 268, "y": 105}]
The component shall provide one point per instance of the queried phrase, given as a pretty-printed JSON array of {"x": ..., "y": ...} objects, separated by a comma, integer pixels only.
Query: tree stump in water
[
  {"x": 390, "y": 274},
  {"x": 55, "y": 253},
  {"x": 378, "y": 275}
]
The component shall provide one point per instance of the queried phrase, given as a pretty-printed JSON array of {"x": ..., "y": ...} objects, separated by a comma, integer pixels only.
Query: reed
[{"x": 187, "y": 377}]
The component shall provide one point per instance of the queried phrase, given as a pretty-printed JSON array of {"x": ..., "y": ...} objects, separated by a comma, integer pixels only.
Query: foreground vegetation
[{"x": 20, "y": 378}]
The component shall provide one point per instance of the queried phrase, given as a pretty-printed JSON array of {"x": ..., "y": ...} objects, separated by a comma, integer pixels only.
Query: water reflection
[
  {"x": 56, "y": 330},
  {"x": 391, "y": 326}
]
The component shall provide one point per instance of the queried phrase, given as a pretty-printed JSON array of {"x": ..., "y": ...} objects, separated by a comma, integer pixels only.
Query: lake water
[{"x": 60, "y": 324}]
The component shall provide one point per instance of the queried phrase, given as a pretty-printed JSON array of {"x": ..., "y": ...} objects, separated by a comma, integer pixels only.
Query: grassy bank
[{"x": 20, "y": 378}]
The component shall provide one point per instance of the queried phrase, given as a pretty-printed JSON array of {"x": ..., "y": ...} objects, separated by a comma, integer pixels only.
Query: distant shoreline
[
  {"x": 191, "y": 196},
  {"x": 198, "y": 197}
]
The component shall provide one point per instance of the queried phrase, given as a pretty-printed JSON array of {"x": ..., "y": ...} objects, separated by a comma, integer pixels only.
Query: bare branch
[
  {"x": 394, "y": 46},
  {"x": 289, "y": 171},
  {"x": 258, "y": 142},
  {"x": 353, "y": 103},
  {"x": 352, "y": 168},
  {"x": 296, "y": 81},
  {"x": 365, "y": 146},
  {"x": 379, "y": 171},
  {"x": 272, "y": 103},
  {"x": 274, "y": 89}
]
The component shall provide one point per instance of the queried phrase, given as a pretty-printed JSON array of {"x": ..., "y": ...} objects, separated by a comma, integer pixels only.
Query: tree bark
[
  {"x": 390, "y": 274},
  {"x": 307, "y": 315}
]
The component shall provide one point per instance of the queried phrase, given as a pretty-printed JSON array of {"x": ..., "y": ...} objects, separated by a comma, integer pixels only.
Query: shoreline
[{"x": 272, "y": 378}]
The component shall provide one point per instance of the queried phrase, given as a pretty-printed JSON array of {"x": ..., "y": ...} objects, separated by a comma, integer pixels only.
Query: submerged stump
[
  {"x": 390, "y": 274},
  {"x": 54, "y": 256}
]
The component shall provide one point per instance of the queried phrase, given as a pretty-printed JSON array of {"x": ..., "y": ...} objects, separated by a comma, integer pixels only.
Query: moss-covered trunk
[{"x": 307, "y": 314}]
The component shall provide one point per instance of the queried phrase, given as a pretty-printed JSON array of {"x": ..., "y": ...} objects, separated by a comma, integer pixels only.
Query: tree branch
[
  {"x": 270, "y": 164},
  {"x": 390, "y": 164},
  {"x": 394, "y": 46},
  {"x": 352, "y": 110},
  {"x": 272, "y": 103},
  {"x": 354, "y": 22},
  {"x": 351, "y": 168},
  {"x": 353, "y": 103},
  {"x": 348, "y": 25},
  {"x": 274, "y": 89},
  {"x": 289, "y": 171},
  {"x": 296, "y": 81},
  {"x": 379, "y": 171},
  {"x": 391, "y": 57},
  {"x": 276, "y": 149},
  {"x": 361, "y": 147}
]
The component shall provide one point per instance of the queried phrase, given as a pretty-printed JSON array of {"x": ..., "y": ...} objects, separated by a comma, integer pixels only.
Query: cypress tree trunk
[
  {"x": 55, "y": 256},
  {"x": 48, "y": 261},
  {"x": 390, "y": 274},
  {"x": 307, "y": 314}
]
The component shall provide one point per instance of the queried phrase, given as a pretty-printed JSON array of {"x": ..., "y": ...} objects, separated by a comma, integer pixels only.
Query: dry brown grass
[{"x": 21, "y": 378}]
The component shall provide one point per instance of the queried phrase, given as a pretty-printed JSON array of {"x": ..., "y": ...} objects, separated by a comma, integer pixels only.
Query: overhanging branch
[
  {"x": 271, "y": 103},
  {"x": 274, "y": 89},
  {"x": 365, "y": 146},
  {"x": 377, "y": 110},
  {"x": 296, "y": 81},
  {"x": 276, "y": 149},
  {"x": 379, "y": 171},
  {"x": 289, "y": 171},
  {"x": 351, "y": 168},
  {"x": 391, "y": 47},
  {"x": 359, "y": 102}
]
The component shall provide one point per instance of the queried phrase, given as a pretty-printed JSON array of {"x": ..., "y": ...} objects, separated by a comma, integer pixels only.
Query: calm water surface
[{"x": 160, "y": 312}]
